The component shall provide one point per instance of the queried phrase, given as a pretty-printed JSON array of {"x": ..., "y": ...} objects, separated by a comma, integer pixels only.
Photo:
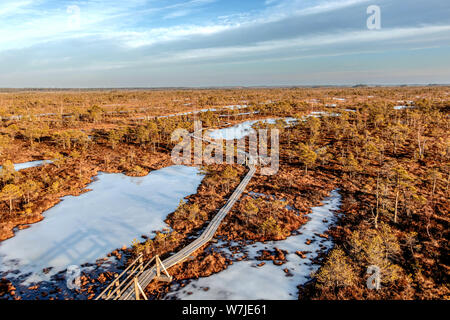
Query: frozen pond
[
  {"x": 319, "y": 114},
  {"x": 243, "y": 129},
  {"x": 85, "y": 228},
  {"x": 402, "y": 107},
  {"x": 233, "y": 107},
  {"x": 30, "y": 164},
  {"x": 239, "y": 114},
  {"x": 243, "y": 280}
]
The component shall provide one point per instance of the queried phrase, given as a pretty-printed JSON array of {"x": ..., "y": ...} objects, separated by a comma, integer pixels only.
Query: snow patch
[
  {"x": 243, "y": 280},
  {"x": 85, "y": 228}
]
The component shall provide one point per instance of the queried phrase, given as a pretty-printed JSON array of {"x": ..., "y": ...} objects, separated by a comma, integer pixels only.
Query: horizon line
[{"x": 361, "y": 85}]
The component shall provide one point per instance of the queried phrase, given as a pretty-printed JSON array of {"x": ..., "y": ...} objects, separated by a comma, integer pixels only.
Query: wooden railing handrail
[
  {"x": 144, "y": 276},
  {"x": 118, "y": 277}
]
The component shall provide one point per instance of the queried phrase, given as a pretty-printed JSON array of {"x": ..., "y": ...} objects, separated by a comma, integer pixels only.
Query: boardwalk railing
[
  {"x": 120, "y": 283},
  {"x": 141, "y": 276}
]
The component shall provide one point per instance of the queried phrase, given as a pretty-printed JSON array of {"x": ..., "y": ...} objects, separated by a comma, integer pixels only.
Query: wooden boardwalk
[{"x": 139, "y": 276}]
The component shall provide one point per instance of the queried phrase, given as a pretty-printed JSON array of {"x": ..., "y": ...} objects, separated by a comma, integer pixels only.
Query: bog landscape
[
  {"x": 224, "y": 158},
  {"x": 95, "y": 206}
]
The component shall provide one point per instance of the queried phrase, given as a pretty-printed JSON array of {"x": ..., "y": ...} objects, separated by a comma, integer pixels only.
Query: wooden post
[
  {"x": 158, "y": 267},
  {"x": 117, "y": 283},
  {"x": 136, "y": 289},
  {"x": 141, "y": 264},
  {"x": 165, "y": 277}
]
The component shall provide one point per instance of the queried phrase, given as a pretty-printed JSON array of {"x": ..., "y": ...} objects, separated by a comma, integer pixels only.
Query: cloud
[
  {"x": 49, "y": 23},
  {"x": 308, "y": 43},
  {"x": 8, "y": 8},
  {"x": 128, "y": 37}
]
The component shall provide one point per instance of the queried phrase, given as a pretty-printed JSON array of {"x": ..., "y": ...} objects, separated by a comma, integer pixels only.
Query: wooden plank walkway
[{"x": 145, "y": 275}]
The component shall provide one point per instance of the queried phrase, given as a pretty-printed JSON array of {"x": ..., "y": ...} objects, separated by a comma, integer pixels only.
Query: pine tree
[
  {"x": 250, "y": 209},
  {"x": 307, "y": 156},
  {"x": 114, "y": 137},
  {"x": 29, "y": 188},
  {"x": 7, "y": 172},
  {"x": 9, "y": 193},
  {"x": 402, "y": 181},
  {"x": 228, "y": 176},
  {"x": 337, "y": 271}
]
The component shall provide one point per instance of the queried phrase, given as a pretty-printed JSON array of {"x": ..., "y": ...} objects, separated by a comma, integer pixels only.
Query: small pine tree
[
  {"x": 307, "y": 156},
  {"x": 337, "y": 271},
  {"x": 9, "y": 193},
  {"x": 270, "y": 227},
  {"x": 250, "y": 209},
  {"x": 228, "y": 176},
  {"x": 7, "y": 172}
]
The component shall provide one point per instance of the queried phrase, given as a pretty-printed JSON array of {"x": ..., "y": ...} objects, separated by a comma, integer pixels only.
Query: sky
[{"x": 201, "y": 43}]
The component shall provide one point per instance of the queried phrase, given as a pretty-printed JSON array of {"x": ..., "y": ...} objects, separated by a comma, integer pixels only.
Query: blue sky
[{"x": 155, "y": 43}]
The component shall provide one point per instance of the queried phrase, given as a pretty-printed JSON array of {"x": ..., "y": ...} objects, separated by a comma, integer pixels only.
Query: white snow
[
  {"x": 30, "y": 164},
  {"x": 243, "y": 129},
  {"x": 85, "y": 228},
  {"x": 401, "y": 107},
  {"x": 193, "y": 112},
  {"x": 243, "y": 280},
  {"x": 319, "y": 114},
  {"x": 236, "y": 106},
  {"x": 239, "y": 114}
]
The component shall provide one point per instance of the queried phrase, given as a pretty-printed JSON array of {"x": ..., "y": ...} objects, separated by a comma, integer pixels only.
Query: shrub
[{"x": 270, "y": 227}]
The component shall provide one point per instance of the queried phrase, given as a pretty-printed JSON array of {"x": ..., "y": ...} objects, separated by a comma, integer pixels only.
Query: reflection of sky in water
[{"x": 85, "y": 228}]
